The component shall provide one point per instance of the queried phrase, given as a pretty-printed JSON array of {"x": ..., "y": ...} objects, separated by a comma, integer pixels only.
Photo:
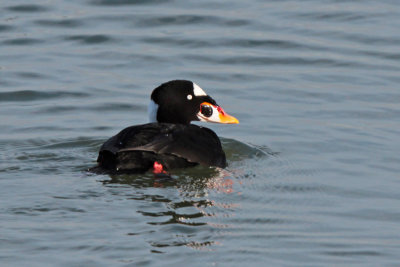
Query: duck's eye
[{"x": 206, "y": 110}]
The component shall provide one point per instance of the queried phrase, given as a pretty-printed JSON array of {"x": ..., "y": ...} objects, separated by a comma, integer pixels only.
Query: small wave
[
  {"x": 30, "y": 75},
  {"x": 236, "y": 150},
  {"x": 333, "y": 16},
  {"x": 27, "y": 8},
  {"x": 59, "y": 109},
  {"x": 270, "y": 43},
  {"x": 265, "y": 61},
  {"x": 190, "y": 20},
  {"x": 64, "y": 23},
  {"x": 175, "y": 41},
  {"x": 23, "y": 41},
  {"x": 127, "y": 2},
  {"x": 4, "y": 28},
  {"x": 30, "y": 95},
  {"x": 90, "y": 39}
]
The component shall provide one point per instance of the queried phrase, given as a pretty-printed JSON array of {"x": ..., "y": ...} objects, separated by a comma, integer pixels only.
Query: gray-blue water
[{"x": 313, "y": 176}]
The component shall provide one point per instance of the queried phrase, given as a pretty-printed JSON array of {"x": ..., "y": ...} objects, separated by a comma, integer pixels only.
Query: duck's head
[{"x": 182, "y": 101}]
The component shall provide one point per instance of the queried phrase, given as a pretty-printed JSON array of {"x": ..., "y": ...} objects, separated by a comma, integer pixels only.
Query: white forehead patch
[
  {"x": 189, "y": 97},
  {"x": 152, "y": 111},
  {"x": 197, "y": 90}
]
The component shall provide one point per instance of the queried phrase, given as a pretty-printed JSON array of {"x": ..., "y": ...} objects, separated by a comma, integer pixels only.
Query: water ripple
[
  {"x": 28, "y": 8},
  {"x": 30, "y": 95},
  {"x": 189, "y": 20},
  {"x": 128, "y": 2},
  {"x": 90, "y": 39},
  {"x": 263, "y": 60},
  {"x": 63, "y": 23},
  {"x": 5, "y": 28},
  {"x": 22, "y": 41},
  {"x": 344, "y": 16}
]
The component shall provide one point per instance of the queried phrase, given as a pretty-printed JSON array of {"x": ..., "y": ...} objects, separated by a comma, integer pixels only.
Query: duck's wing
[
  {"x": 135, "y": 136},
  {"x": 193, "y": 143}
]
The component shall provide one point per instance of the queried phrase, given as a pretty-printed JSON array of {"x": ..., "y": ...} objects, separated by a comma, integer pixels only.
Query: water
[{"x": 313, "y": 176}]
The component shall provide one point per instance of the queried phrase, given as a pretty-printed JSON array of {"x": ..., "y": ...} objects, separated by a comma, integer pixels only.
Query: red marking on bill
[{"x": 220, "y": 110}]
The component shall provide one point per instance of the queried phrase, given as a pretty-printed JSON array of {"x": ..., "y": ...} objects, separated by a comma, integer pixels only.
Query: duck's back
[{"x": 136, "y": 148}]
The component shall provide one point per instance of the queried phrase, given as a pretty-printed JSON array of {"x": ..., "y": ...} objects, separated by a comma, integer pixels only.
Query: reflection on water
[{"x": 191, "y": 199}]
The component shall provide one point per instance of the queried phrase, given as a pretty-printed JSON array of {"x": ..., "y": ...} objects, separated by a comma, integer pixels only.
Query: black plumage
[{"x": 173, "y": 145}]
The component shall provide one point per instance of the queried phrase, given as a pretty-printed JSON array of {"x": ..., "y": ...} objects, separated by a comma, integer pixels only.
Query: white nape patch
[
  {"x": 197, "y": 90},
  {"x": 189, "y": 97},
  {"x": 152, "y": 111}
]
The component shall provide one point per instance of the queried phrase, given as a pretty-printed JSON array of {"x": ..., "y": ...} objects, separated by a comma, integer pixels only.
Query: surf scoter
[{"x": 169, "y": 139}]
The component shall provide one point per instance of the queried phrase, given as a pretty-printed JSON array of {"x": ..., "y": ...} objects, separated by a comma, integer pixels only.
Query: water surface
[{"x": 313, "y": 175}]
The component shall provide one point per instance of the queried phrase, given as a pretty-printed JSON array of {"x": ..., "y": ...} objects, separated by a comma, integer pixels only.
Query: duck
[{"x": 169, "y": 140}]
